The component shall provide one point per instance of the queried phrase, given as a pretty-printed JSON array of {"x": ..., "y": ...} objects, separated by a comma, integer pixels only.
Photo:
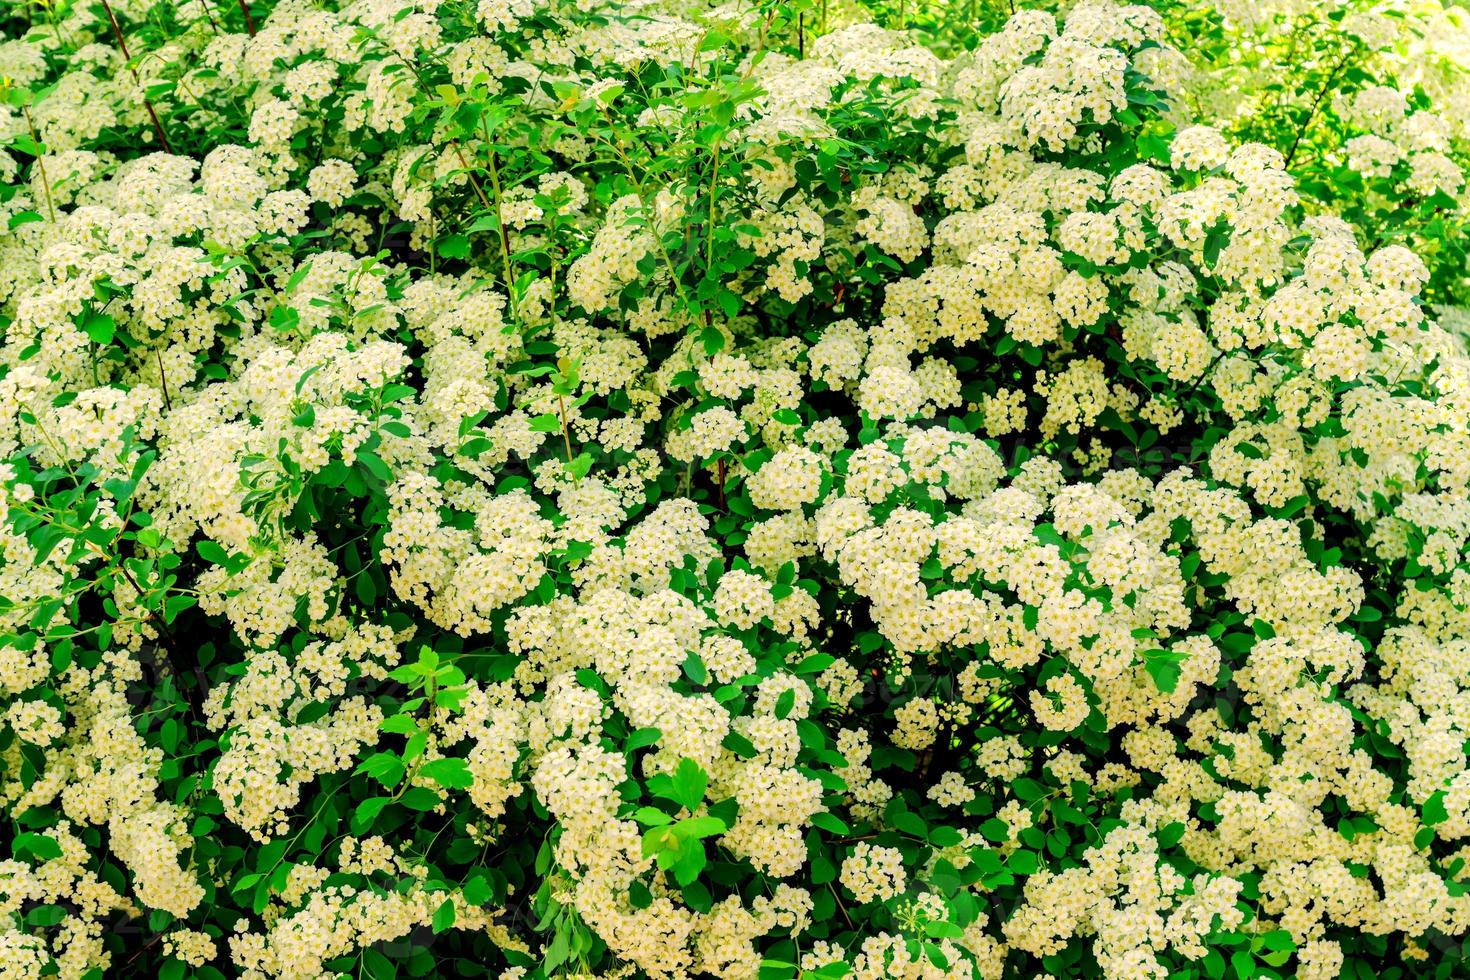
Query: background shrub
[{"x": 650, "y": 490}]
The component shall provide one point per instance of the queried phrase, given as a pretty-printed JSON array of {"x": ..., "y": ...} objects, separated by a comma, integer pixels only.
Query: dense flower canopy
[{"x": 528, "y": 490}]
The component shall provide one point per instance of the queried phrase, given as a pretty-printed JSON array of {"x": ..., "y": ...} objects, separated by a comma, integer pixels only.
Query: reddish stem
[
  {"x": 128, "y": 58},
  {"x": 249, "y": 21}
]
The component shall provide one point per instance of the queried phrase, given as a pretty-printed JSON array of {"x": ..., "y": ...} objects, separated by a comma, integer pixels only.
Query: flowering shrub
[
  {"x": 1368, "y": 103},
  {"x": 632, "y": 490}
]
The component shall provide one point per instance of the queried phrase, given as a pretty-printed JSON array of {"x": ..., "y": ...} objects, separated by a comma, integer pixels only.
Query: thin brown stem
[
  {"x": 128, "y": 59},
  {"x": 714, "y": 186},
  {"x": 1311, "y": 116},
  {"x": 453, "y": 144},
  {"x": 249, "y": 21},
  {"x": 209, "y": 15},
  {"x": 144, "y": 948},
  {"x": 163, "y": 381}
]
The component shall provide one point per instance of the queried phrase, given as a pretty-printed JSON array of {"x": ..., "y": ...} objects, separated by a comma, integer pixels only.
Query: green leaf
[
  {"x": 285, "y": 319},
  {"x": 477, "y": 890},
  {"x": 740, "y": 745},
  {"x": 729, "y": 303},
  {"x": 420, "y": 798},
  {"x": 1164, "y": 667},
  {"x": 212, "y": 552},
  {"x": 580, "y": 466},
  {"x": 400, "y": 724},
  {"x": 694, "y": 669},
  {"x": 443, "y": 917},
  {"x": 38, "y": 845},
  {"x": 176, "y": 604},
  {"x": 1216, "y": 241},
  {"x": 367, "y": 812},
  {"x": 454, "y": 247},
  {"x": 100, "y": 328},
  {"x": 686, "y": 786},
  {"x": 1171, "y": 834},
  {"x": 996, "y": 830},
  {"x": 385, "y": 767},
  {"x": 652, "y": 817},
  {"x": 942, "y": 930},
  {"x": 45, "y": 916},
  {"x": 450, "y": 773},
  {"x": 642, "y": 738},
  {"x": 1023, "y": 862},
  {"x": 689, "y": 864},
  {"x": 375, "y": 465},
  {"x": 910, "y": 823},
  {"x": 830, "y": 823},
  {"x": 713, "y": 340},
  {"x": 1434, "y": 810},
  {"x": 699, "y": 827}
]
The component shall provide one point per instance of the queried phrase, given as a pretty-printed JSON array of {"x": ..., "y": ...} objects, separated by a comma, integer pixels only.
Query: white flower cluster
[{"x": 827, "y": 504}]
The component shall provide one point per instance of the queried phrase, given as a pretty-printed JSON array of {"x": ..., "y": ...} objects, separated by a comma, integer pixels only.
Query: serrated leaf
[
  {"x": 367, "y": 812},
  {"x": 443, "y": 917}
]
